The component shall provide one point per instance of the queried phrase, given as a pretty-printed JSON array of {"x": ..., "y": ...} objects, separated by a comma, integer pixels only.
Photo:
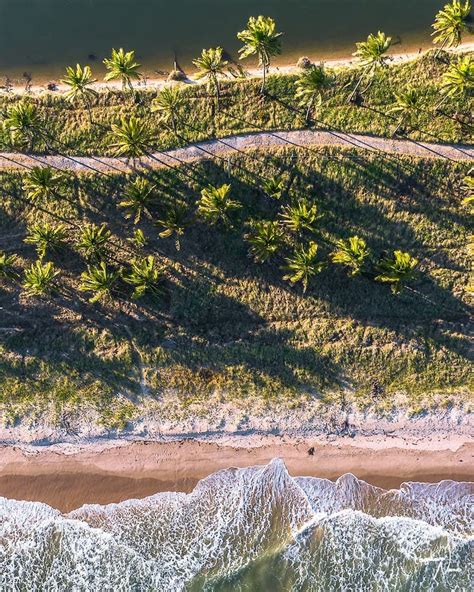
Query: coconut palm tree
[
  {"x": 168, "y": 104},
  {"x": 265, "y": 239},
  {"x": 303, "y": 265},
  {"x": 468, "y": 188},
  {"x": 372, "y": 55},
  {"x": 300, "y": 216},
  {"x": 45, "y": 236},
  {"x": 174, "y": 223},
  {"x": 407, "y": 104},
  {"x": 122, "y": 66},
  {"x": 7, "y": 263},
  {"x": 139, "y": 195},
  {"x": 100, "y": 280},
  {"x": 210, "y": 66},
  {"x": 451, "y": 22},
  {"x": 274, "y": 187},
  {"x": 131, "y": 137},
  {"x": 80, "y": 81},
  {"x": 260, "y": 39},
  {"x": 351, "y": 253},
  {"x": 397, "y": 271},
  {"x": 138, "y": 239},
  {"x": 311, "y": 86},
  {"x": 93, "y": 241},
  {"x": 23, "y": 124},
  {"x": 41, "y": 183},
  {"x": 458, "y": 81},
  {"x": 145, "y": 276},
  {"x": 216, "y": 204},
  {"x": 39, "y": 279}
]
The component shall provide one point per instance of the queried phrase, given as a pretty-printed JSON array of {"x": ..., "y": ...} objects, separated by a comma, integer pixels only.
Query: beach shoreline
[
  {"x": 67, "y": 476},
  {"x": 157, "y": 82}
]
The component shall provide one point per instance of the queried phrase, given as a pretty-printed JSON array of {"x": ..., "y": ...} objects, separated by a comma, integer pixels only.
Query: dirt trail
[{"x": 226, "y": 146}]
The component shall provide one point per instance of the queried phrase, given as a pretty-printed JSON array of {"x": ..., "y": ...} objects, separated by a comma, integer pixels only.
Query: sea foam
[{"x": 252, "y": 529}]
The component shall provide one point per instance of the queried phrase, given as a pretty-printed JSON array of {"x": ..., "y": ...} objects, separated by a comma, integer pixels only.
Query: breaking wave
[{"x": 252, "y": 530}]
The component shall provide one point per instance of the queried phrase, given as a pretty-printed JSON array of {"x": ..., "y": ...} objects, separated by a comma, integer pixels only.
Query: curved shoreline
[
  {"x": 240, "y": 142},
  {"x": 277, "y": 68}
]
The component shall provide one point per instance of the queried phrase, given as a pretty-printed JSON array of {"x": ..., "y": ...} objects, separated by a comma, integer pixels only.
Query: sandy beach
[
  {"x": 68, "y": 476},
  {"x": 154, "y": 81}
]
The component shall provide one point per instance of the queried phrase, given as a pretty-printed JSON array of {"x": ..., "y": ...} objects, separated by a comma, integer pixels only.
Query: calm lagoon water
[{"x": 42, "y": 36}]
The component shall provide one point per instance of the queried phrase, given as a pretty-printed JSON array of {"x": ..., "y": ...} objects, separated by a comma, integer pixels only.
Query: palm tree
[
  {"x": 215, "y": 204},
  {"x": 45, "y": 236},
  {"x": 41, "y": 183},
  {"x": 131, "y": 137},
  {"x": 7, "y": 269},
  {"x": 458, "y": 81},
  {"x": 93, "y": 241},
  {"x": 122, "y": 66},
  {"x": 145, "y": 277},
  {"x": 303, "y": 266},
  {"x": 99, "y": 280},
  {"x": 397, "y": 271},
  {"x": 174, "y": 222},
  {"x": 351, "y": 253},
  {"x": 451, "y": 22},
  {"x": 372, "y": 56},
  {"x": 260, "y": 39},
  {"x": 300, "y": 216},
  {"x": 274, "y": 187},
  {"x": 39, "y": 279},
  {"x": 407, "y": 104},
  {"x": 210, "y": 66},
  {"x": 168, "y": 104},
  {"x": 139, "y": 194},
  {"x": 265, "y": 239},
  {"x": 80, "y": 81},
  {"x": 468, "y": 187},
  {"x": 372, "y": 53},
  {"x": 311, "y": 85},
  {"x": 23, "y": 124},
  {"x": 138, "y": 239}
]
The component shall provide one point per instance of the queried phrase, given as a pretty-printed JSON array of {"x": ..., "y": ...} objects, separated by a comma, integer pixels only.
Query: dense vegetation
[
  {"x": 292, "y": 274},
  {"x": 222, "y": 321},
  {"x": 243, "y": 108}
]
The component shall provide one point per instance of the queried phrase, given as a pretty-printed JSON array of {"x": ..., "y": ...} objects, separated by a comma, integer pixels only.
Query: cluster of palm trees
[
  {"x": 285, "y": 241},
  {"x": 269, "y": 240},
  {"x": 294, "y": 227},
  {"x": 100, "y": 278},
  {"x": 260, "y": 39}
]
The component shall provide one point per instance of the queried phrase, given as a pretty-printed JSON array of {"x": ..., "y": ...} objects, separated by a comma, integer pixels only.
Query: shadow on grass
[{"x": 211, "y": 330}]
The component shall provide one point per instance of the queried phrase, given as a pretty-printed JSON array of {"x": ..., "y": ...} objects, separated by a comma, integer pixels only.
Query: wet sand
[{"x": 68, "y": 478}]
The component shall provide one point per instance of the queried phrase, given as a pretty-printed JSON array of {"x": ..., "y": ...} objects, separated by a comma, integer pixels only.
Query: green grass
[
  {"x": 244, "y": 109},
  {"x": 230, "y": 326}
]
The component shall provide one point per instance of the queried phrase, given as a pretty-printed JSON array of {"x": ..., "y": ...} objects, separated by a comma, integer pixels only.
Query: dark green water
[{"x": 42, "y": 36}]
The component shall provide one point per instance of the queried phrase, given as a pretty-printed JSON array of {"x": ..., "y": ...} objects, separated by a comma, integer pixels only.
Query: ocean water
[
  {"x": 41, "y": 37},
  {"x": 253, "y": 530}
]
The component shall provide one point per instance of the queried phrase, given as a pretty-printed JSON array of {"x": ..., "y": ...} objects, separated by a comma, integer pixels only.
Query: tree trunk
[{"x": 262, "y": 90}]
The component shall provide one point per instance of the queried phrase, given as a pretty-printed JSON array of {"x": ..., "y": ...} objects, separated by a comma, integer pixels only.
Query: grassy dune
[
  {"x": 243, "y": 109},
  {"x": 226, "y": 324}
]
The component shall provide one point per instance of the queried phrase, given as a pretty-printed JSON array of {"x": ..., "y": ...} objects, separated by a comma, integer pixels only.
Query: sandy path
[
  {"x": 226, "y": 146},
  {"x": 67, "y": 479}
]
